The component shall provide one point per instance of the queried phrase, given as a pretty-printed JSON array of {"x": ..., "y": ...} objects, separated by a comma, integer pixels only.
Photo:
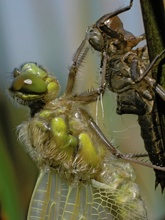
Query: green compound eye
[
  {"x": 29, "y": 83},
  {"x": 30, "y": 79},
  {"x": 32, "y": 83},
  {"x": 34, "y": 69}
]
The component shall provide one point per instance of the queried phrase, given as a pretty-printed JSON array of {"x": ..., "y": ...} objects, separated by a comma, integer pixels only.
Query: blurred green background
[{"x": 49, "y": 32}]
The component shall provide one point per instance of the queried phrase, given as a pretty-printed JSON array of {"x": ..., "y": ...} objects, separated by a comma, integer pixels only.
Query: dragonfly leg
[
  {"x": 77, "y": 60},
  {"x": 99, "y": 133},
  {"x": 158, "y": 88},
  {"x": 112, "y": 149},
  {"x": 136, "y": 77},
  {"x": 100, "y": 24},
  {"x": 152, "y": 65},
  {"x": 138, "y": 155},
  {"x": 141, "y": 37},
  {"x": 161, "y": 91},
  {"x": 93, "y": 95},
  {"x": 104, "y": 69},
  {"x": 89, "y": 96}
]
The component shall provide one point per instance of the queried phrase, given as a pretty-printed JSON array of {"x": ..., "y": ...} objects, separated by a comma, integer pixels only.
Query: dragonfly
[
  {"x": 127, "y": 72},
  {"x": 81, "y": 176}
]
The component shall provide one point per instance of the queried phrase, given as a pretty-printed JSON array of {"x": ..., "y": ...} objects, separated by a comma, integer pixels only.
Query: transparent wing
[
  {"x": 121, "y": 202},
  {"x": 54, "y": 198}
]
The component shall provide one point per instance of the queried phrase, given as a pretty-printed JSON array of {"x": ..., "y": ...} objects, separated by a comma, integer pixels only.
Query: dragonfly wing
[
  {"x": 40, "y": 198},
  {"x": 54, "y": 198},
  {"x": 124, "y": 203},
  {"x": 118, "y": 191}
]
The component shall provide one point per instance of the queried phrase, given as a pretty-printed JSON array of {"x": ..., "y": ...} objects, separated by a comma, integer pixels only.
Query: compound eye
[
  {"x": 29, "y": 79},
  {"x": 29, "y": 83},
  {"x": 32, "y": 83},
  {"x": 95, "y": 38},
  {"x": 34, "y": 69}
]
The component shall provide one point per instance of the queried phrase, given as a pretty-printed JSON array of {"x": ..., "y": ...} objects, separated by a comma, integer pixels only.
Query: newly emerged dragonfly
[
  {"x": 125, "y": 71},
  {"x": 81, "y": 176}
]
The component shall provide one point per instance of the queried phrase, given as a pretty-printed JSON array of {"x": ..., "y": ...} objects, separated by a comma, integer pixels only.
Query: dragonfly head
[
  {"x": 32, "y": 83},
  {"x": 95, "y": 38}
]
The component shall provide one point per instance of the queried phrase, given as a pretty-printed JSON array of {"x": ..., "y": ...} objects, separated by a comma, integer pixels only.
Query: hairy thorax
[{"x": 59, "y": 136}]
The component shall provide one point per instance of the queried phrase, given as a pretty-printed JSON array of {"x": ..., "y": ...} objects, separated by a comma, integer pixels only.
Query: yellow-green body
[
  {"x": 79, "y": 177},
  {"x": 83, "y": 178},
  {"x": 59, "y": 137}
]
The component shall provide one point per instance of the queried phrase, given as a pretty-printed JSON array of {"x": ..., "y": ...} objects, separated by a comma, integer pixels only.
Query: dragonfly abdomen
[{"x": 151, "y": 134}]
